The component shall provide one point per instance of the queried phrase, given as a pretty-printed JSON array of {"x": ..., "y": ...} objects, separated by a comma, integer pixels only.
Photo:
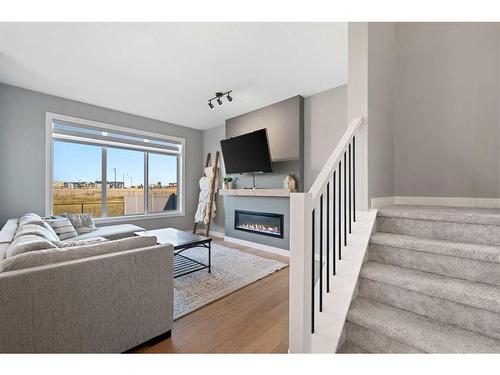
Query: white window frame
[{"x": 49, "y": 173}]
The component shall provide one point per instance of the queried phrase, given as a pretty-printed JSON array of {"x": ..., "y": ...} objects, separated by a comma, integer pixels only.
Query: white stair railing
[{"x": 321, "y": 223}]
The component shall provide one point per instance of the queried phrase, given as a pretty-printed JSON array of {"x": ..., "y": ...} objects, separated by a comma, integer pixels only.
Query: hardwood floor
[{"x": 253, "y": 319}]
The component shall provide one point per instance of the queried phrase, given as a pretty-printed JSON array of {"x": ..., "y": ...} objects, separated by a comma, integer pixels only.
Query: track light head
[{"x": 218, "y": 98}]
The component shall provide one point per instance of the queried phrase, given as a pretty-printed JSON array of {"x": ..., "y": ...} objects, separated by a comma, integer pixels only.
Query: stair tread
[
  {"x": 486, "y": 216},
  {"x": 414, "y": 330},
  {"x": 350, "y": 348},
  {"x": 481, "y": 296},
  {"x": 485, "y": 253}
]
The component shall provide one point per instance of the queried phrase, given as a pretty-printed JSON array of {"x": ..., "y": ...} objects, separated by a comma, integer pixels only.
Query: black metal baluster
[
  {"x": 354, "y": 178},
  {"x": 350, "y": 189},
  {"x": 328, "y": 238},
  {"x": 345, "y": 200},
  {"x": 312, "y": 276},
  {"x": 333, "y": 226},
  {"x": 340, "y": 209},
  {"x": 321, "y": 253}
]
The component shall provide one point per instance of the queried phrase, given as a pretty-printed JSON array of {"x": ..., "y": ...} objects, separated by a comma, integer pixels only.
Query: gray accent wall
[
  {"x": 284, "y": 122},
  {"x": 325, "y": 121},
  {"x": 22, "y": 151},
  {"x": 259, "y": 204}
]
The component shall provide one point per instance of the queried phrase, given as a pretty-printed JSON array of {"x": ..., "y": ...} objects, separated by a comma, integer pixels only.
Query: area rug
[{"x": 231, "y": 270}]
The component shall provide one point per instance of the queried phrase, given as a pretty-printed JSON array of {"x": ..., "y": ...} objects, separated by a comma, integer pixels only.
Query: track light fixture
[{"x": 218, "y": 98}]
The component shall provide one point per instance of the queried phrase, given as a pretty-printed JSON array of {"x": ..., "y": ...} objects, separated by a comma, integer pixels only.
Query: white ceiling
[{"x": 167, "y": 71}]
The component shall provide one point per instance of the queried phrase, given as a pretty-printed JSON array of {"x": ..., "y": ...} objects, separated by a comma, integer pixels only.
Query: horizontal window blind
[{"x": 104, "y": 137}]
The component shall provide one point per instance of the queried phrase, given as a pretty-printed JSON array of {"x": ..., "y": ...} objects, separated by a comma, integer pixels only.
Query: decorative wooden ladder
[{"x": 212, "y": 189}]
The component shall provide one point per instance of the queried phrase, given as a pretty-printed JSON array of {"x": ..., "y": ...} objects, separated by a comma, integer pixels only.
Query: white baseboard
[
  {"x": 255, "y": 245},
  {"x": 382, "y": 202},
  {"x": 437, "y": 201}
]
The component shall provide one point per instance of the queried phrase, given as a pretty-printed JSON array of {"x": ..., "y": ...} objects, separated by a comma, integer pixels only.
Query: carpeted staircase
[{"x": 431, "y": 284}]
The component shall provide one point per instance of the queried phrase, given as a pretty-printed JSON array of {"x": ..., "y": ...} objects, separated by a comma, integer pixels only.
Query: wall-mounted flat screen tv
[{"x": 247, "y": 153}]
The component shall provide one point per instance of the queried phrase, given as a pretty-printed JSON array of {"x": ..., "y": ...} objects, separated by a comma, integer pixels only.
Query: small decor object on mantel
[
  {"x": 290, "y": 183},
  {"x": 228, "y": 183}
]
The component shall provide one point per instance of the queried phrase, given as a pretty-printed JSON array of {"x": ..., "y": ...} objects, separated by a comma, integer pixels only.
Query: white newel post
[
  {"x": 300, "y": 273},
  {"x": 362, "y": 167}
]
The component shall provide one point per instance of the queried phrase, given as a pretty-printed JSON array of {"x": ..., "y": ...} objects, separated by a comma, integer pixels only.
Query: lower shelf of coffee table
[{"x": 184, "y": 265}]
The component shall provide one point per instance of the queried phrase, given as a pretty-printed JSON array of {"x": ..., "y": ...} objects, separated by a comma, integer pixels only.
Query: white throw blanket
[{"x": 203, "y": 210}]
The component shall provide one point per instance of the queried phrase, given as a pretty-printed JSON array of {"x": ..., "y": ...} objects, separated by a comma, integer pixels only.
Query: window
[
  {"x": 162, "y": 172},
  {"x": 73, "y": 188},
  {"x": 125, "y": 182},
  {"x": 111, "y": 171}
]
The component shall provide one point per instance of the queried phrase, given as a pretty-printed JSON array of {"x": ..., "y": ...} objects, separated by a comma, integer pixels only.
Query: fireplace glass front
[{"x": 264, "y": 223}]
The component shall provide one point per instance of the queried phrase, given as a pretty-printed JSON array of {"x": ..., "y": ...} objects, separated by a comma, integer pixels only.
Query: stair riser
[
  {"x": 452, "y": 231},
  {"x": 466, "y": 269},
  {"x": 373, "y": 342},
  {"x": 467, "y": 317}
]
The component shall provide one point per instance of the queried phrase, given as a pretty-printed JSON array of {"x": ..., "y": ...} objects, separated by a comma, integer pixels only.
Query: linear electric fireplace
[{"x": 264, "y": 223}]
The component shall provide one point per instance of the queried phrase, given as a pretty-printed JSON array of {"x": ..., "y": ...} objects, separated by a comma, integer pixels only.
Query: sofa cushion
[
  {"x": 3, "y": 250},
  {"x": 50, "y": 256},
  {"x": 8, "y": 231},
  {"x": 73, "y": 243},
  {"x": 112, "y": 232},
  {"x": 63, "y": 227},
  {"x": 83, "y": 223},
  {"x": 7, "y": 236},
  {"x": 28, "y": 243},
  {"x": 36, "y": 230}
]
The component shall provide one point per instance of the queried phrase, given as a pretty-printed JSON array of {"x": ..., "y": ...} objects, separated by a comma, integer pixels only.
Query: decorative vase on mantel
[{"x": 290, "y": 183}]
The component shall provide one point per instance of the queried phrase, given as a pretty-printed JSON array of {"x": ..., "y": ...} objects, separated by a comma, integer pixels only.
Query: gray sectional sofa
[{"x": 100, "y": 296}]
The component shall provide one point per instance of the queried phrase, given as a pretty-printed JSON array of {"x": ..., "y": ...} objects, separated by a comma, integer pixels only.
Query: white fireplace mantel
[{"x": 256, "y": 192}]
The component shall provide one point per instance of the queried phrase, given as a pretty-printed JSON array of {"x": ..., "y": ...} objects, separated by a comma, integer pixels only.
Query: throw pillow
[
  {"x": 36, "y": 230},
  {"x": 34, "y": 219},
  {"x": 25, "y": 244},
  {"x": 51, "y": 256},
  {"x": 83, "y": 223},
  {"x": 28, "y": 217},
  {"x": 63, "y": 227}
]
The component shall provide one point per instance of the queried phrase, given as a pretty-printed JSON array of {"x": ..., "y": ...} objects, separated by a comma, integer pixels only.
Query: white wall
[
  {"x": 447, "y": 110},
  {"x": 325, "y": 121}
]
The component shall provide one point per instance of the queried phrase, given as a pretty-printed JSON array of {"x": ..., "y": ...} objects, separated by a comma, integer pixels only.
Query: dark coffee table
[{"x": 183, "y": 265}]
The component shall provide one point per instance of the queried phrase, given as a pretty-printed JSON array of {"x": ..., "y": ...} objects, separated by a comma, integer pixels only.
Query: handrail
[
  {"x": 323, "y": 177},
  {"x": 321, "y": 222}
]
